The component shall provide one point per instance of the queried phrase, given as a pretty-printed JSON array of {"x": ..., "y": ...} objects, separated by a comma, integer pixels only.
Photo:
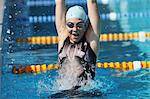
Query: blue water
[{"x": 112, "y": 84}]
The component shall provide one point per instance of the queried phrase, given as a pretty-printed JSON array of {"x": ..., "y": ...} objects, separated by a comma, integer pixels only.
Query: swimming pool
[
  {"x": 28, "y": 18},
  {"x": 112, "y": 83}
]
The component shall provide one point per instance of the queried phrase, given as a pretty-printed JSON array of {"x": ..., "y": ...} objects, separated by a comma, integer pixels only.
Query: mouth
[{"x": 75, "y": 34}]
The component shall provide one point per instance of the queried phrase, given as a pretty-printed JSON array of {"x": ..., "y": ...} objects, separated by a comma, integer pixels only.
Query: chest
[{"x": 73, "y": 50}]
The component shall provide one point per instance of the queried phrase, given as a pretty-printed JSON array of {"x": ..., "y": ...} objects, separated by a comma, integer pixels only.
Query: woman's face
[{"x": 76, "y": 29}]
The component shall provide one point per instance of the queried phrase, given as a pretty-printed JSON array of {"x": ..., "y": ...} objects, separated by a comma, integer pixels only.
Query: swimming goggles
[{"x": 78, "y": 25}]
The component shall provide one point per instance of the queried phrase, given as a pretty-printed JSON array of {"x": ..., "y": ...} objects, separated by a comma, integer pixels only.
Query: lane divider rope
[
  {"x": 112, "y": 16},
  {"x": 142, "y": 36},
  {"x": 135, "y": 65}
]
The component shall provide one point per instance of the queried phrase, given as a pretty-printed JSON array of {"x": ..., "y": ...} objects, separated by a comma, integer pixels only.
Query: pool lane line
[
  {"x": 135, "y": 65},
  {"x": 18, "y": 69},
  {"x": 141, "y": 36}
]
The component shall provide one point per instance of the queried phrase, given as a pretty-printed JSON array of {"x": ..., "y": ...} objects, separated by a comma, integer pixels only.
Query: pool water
[{"x": 108, "y": 83}]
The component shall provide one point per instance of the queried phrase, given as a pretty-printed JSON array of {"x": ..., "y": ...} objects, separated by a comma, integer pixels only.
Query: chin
[{"x": 76, "y": 40}]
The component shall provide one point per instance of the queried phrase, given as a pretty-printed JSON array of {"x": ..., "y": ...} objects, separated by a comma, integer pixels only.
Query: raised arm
[
  {"x": 93, "y": 14},
  {"x": 60, "y": 12},
  {"x": 94, "y": 26}
]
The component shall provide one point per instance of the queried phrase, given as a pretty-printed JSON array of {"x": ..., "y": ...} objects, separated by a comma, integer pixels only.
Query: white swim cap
[{"x": 76, "y": 12}]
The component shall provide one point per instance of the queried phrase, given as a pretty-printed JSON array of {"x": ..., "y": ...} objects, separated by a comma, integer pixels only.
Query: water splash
[
  {"x": 46, "y": 86},
  {"x": 94, "y": 89},
  {"x": 43, "y": 87},
  {"x": 67, "y": 77}
]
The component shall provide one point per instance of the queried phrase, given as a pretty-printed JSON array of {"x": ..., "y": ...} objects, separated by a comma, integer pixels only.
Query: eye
[
  {"x": 80, "y": 25},
  {"x": 70, "y": 25}
]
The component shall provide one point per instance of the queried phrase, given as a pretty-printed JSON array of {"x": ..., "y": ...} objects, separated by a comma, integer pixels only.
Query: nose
[{"x": 74, "y": 28}]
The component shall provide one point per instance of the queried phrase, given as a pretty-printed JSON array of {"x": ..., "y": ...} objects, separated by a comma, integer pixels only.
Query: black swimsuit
[{"x": 87, "y": 57}]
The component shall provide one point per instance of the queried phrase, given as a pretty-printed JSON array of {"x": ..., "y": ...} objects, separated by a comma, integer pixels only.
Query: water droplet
[
  {"x": 16, "y": 13},
  {"x": 15, "y": 5},
  {"x": 12, "y": 33},
  {"x": 8, "y": 31},
  {"x": 10, "y": 16},
  {"x": 6, "y": 39}
]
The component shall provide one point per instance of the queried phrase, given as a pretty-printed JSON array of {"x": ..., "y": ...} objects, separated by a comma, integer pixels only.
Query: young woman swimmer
[{"x": 78, "y": 42}]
